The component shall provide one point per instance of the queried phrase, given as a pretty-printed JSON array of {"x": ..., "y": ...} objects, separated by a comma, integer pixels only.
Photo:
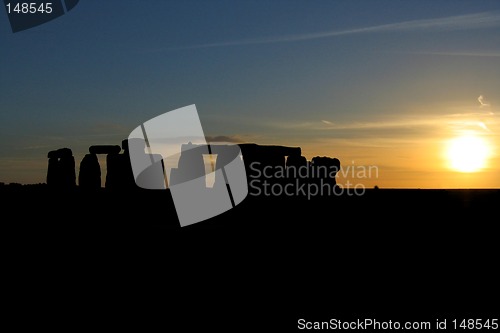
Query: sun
[{"x": 468, "y": 153}]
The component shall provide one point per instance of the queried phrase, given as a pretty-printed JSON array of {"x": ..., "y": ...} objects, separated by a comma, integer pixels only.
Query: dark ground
[{"x": 112, "y": 260}]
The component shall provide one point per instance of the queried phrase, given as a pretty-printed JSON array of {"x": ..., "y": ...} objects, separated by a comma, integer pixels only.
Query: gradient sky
[{"x": 373, "y": 83}]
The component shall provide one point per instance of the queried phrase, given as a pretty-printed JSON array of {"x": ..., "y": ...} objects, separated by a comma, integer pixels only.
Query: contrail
[{"x": 450, "y": 23}]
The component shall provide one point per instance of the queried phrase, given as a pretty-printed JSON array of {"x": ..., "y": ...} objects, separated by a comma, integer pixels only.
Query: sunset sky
[{"x": 410, "y": 87}]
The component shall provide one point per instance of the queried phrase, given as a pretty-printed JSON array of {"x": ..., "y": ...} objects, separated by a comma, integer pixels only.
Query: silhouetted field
[
  {"x": 154, "y": 210},
  {"x": 390, "y": 253}
]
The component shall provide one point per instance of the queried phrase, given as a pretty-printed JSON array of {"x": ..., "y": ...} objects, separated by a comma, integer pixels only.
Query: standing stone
[
  {"x": 61, "y": 170},
  {"x": 89, "y": 177}
]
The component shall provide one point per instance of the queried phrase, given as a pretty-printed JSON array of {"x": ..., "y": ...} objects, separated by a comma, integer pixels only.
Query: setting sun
[{"x": 468, "y": 153}]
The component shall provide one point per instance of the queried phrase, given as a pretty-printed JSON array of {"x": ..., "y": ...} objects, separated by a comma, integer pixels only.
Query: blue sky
[{"x": 372, "y": 82}]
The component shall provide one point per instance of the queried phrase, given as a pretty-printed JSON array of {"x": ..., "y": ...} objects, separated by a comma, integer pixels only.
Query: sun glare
[{"x": 468, "y": 153}]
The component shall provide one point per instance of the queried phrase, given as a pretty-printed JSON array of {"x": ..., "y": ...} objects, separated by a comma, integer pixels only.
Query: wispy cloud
[
  {"x": 481, "y": 101},
  {"x": 481, "y": 54},
  {"x": 450, "y": 23},
  {"x": 355, "y": 125},
  {"x": 483, "y": 126},
  {"x": 402, "y": 125}
]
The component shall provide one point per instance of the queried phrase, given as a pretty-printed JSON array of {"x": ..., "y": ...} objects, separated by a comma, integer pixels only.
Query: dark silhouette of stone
[
  {"x": 113, "y": 171},
  {"x": 265, "y": 166},
  {"x": 257, "y": 158},
  {"x": 92, "y": 171},
  {"x": 125, "y": 174},
  {"x": 296, "y": 161},
  {"x": 154, "y": 176},
  {"x": 297, "y": 168},
  {"x": 264, "y": 162},
  {"x": 105, "y": 149},
  {"x": 89, "y": 177},
  {"x": 53, "y": 169},
  {"x": 120, "y": 175},
  {"x": 61, "y": 169},
  {"x": 294, "y": 164},
  {"x": 191, "y": 166},
  {"x": 226, "y": 155},
  {"x": 324, "y": 170}
]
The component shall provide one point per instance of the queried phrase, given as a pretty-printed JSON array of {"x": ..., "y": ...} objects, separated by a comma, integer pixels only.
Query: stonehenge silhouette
[{"x": 264, "y": 164}]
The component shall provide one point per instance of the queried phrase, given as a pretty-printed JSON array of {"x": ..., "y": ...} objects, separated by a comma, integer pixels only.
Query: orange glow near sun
[{"x": 468, "y": 153}]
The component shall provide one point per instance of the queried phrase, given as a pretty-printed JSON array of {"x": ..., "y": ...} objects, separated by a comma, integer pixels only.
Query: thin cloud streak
[
  {"x": 451, "y": 23},
  {"x": 480, "y": 99},
  {"x": 494, "y": 54},
  {"x": 451, "y": 120},
  {"x": 356, "y": 125}
]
